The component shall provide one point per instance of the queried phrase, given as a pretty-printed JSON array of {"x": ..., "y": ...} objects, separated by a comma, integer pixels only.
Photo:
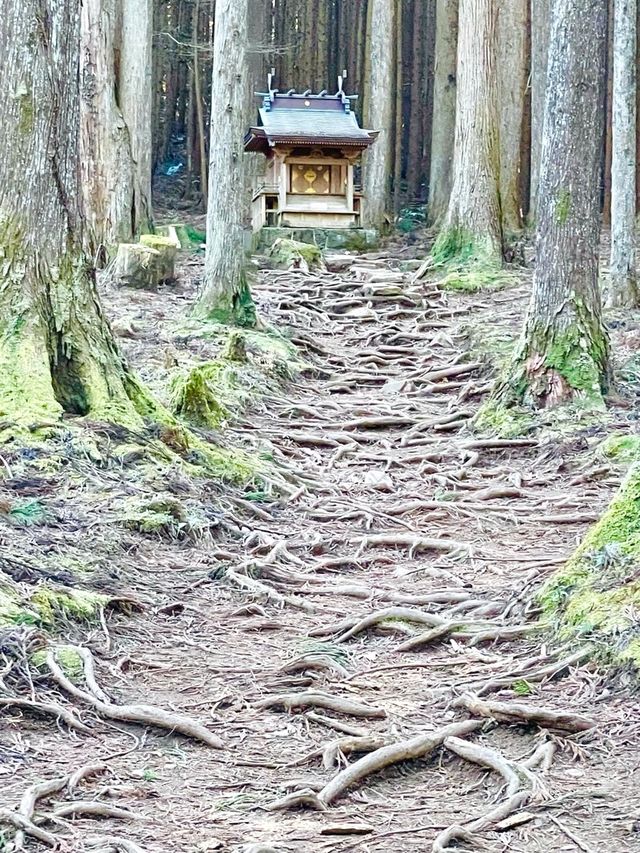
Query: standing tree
[
  {"x": 135, "y": 97},
  {"x": 107, "y": 175},
  {"x": 57, "y": 351},
  {"x": 512, "y": 73},
  {"x": 473, "y": 224},
  {"x": 226, "y": 297},
  {"x": 564, "y": 351},
  {"x": 444, "y": 107},
  {"x": 379, "y": 107},
  {"x": 624, "y": 286},
  {"x": 540, "y": 11}
]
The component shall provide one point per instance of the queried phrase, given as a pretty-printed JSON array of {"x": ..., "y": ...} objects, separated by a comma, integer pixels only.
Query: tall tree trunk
[
  {"x": 512, "y": 65},
  {"x": 57, "y": 352},
  {"x": 540, "y": 15},
  {"x": 379, "y": 95},
  {"x": 608, "y": 121},
  {"x": 106, "y": 163},
  {"x": 565, "y": 351},
  {"x": 226, "y": 297},
  {"x": 135, "y": 88},
  {"x": 258, "y": 38},
  {"x": 444, "y": 108},
  {"x": 624, "y": 287},
  {"x": 199, "y": 105},
  {"x": 473, "y": 215}
]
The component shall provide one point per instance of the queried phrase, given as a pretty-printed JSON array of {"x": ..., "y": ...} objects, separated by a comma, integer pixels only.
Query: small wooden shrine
[{"x": 312, "y": 144}]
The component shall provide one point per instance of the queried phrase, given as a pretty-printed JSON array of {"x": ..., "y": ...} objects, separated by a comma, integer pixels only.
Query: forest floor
[{"x": 401, "y": 505}]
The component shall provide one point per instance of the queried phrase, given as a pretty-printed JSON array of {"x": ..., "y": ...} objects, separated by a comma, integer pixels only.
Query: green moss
[
  {"x": 236, "y": 309},
  {"x": 165, "y": 516},
  {"x": 53, "y": 604},
  {"x": 157, "y": 241},
  {"x": 12, "y": 611},
  {"x": 27, "y": 114},
  {"x": 596, "y": 595},
  {"x": 621, "y": 448},
  {"x": 494, "y": 418},
  {"x": 468, "y": 264},
  {"x": 287, "y": 253},
  {"x": 570, "y": 356},
  {"x": 68, "y": 658},
  {"x": 27, "y": 513},
  {"x": 194, "y": 400},
  {"x": 563, "y": 206}
]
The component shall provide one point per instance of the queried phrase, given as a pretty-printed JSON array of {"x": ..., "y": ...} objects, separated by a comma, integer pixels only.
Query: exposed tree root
[
  {"x": 23, "y": 819},
  {"x": 48, "y": 709},
  {"x": 512, "y": 712},
  {"x": 515, "y": 775},
  {"x": 112, "y": 844},
  {"x": 408, "y": 750},
  {"x": 405, "y": 614},
  {"x": 414, "y": 542},
  {"x": 311, "y": 699},
  {"x": 146, "y": 714},
  {"x": 532, "y": 675}
]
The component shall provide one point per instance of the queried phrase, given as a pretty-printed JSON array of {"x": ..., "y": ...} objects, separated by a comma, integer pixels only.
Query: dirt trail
[{"x": 401, "y": 508}]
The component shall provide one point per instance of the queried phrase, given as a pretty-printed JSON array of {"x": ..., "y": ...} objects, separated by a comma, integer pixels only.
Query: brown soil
[{"x": 205, "y": 648}]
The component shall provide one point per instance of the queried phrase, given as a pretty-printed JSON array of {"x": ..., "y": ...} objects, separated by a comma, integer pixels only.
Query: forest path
[{"x": 403, "y": 513}]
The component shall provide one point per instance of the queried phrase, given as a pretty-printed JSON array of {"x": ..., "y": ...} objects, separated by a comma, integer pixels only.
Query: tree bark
[
  {"x": 624, "y": 288},
  {"x": 135, "y": 89},
  {"x": 380, "y": 99},
  {"x": 444, "y": 108},
  {"x": 540, "y": 17},
  {"x": 565, "y": 351},
  {"x": 512, "y": 65},
  {"x": 57, "y": 352},
  {"x": 106, "y": 163},
  {"x": 473, "y": 215},
  {"x": 226, "y": 297}
]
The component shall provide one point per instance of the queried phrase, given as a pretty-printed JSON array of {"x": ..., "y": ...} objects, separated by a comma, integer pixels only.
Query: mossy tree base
[
  {"x": 468, "y": 262},
  {"x": 595, "y": 598},
  {"x": 558, "y": 361}
]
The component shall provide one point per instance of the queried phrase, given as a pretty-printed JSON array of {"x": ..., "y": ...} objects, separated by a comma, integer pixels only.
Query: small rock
[{"x": 378, "y": 479}]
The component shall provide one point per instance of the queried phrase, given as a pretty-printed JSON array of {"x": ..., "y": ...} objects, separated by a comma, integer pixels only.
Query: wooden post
[
  {"x": 281, "y": 174},
  {"x": 350, "y": 186}
]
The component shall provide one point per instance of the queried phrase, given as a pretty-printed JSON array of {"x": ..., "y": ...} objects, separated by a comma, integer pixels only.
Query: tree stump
[{"x": 145, "y": 265}]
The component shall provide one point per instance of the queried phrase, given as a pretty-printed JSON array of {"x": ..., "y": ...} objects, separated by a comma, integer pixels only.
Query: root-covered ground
[{"x": 362, "y": 640}]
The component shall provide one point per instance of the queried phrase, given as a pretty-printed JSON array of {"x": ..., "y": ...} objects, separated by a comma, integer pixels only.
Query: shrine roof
[{"x": 306, "y": 119}]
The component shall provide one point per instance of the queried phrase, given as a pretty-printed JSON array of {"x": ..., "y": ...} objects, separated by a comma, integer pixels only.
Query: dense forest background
[{"x": 310, "y": 42}]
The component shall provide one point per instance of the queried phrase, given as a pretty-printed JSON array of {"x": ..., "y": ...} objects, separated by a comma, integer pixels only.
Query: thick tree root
[
  {"x": 408, "y": 750},
  {"x": 23, "y": 818},
  {"x": 398, "y": 613},
  {"x": 146, "y": 714},
  {"x": 524, "y": 713},
  {"x": 413, "y": 541},
  {"x": 515, "y": 775},
  {"x": 310, "y": 699}
]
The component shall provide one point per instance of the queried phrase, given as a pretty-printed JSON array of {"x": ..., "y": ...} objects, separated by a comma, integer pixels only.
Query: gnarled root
[
  {"x": 514, "y": 775},
  {"x": 407, "y": 750},
  {"x": 146, "y": 714},
  {"x": 516, "y": 712}
]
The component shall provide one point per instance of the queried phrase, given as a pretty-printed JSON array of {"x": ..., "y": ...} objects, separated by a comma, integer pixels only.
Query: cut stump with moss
[
  {"x": 290, "y": 254},
  {"x": 145, "y": 266}
]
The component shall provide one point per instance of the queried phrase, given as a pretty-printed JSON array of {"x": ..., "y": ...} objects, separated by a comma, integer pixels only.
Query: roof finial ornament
[{"x": 341, "y": 78}]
